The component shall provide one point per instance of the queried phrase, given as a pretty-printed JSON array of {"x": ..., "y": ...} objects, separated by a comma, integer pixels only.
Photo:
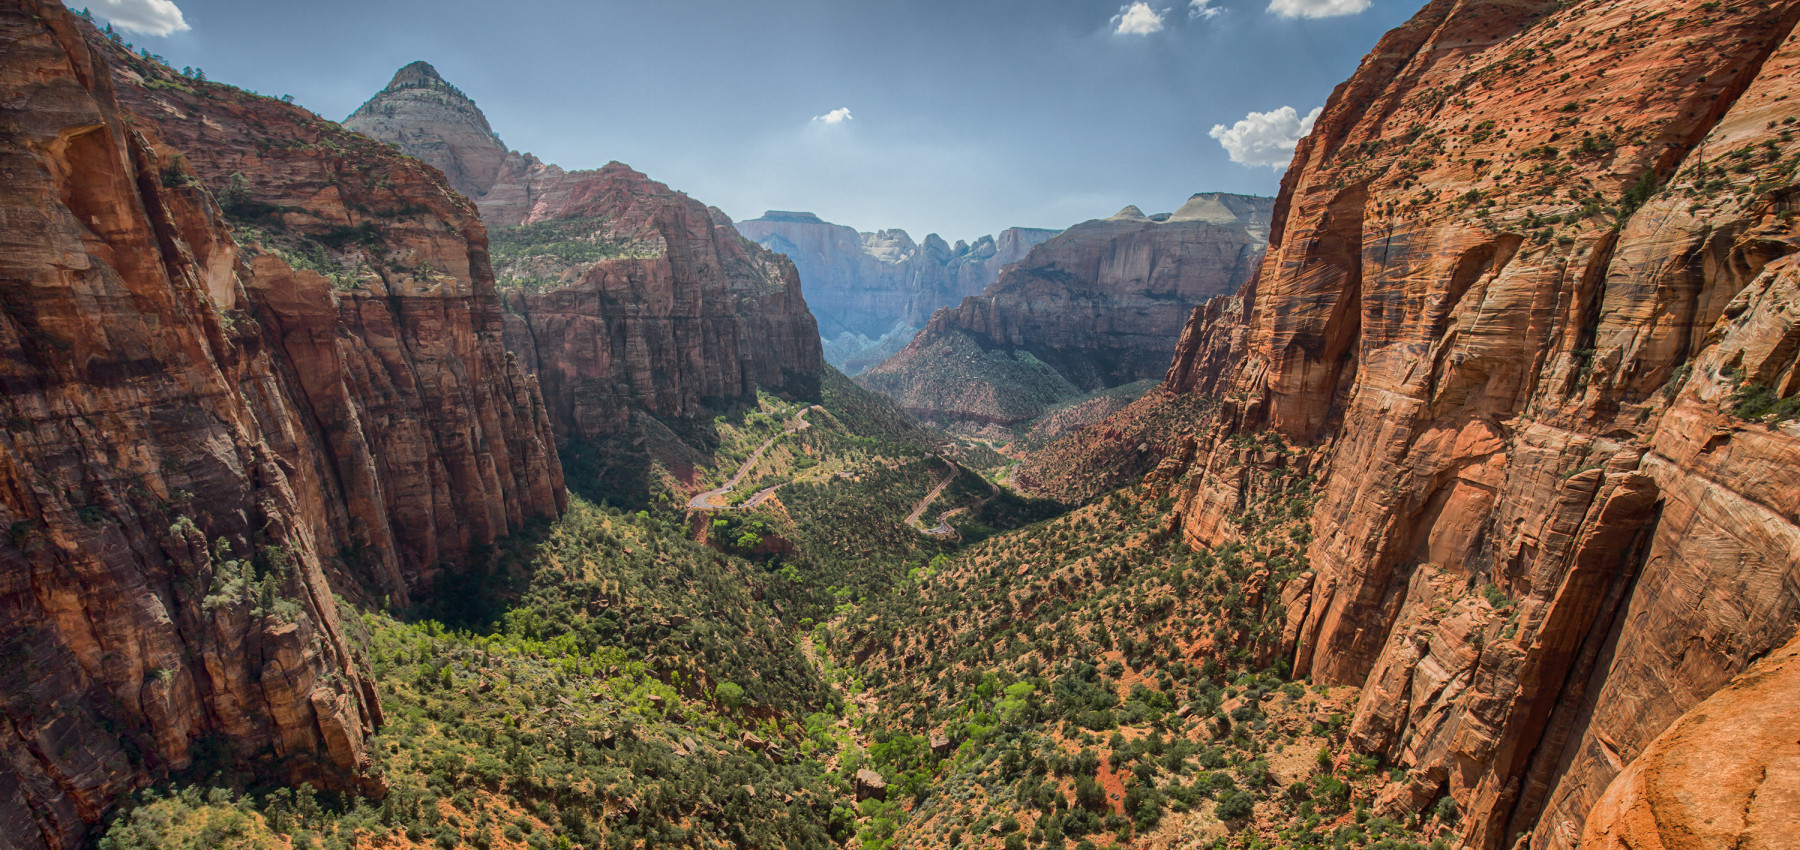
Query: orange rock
[
  {"x": 1515, "y": 276},
  {"x": 695, "y": 316},
  {"x": 1727, "y": 774}
]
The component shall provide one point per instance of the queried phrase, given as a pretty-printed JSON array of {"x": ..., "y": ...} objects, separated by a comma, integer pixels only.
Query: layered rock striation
[
  {"x": 204, "y": 445},
  {"x": 1529, "y": 306},
  {"x": 622, "y": 296},
  {"x": 374, "y": 281},
  {"x": 866, "y": 287},
  {"x": 1097, "y": 306},
  {"x": 692, "y": 317}
]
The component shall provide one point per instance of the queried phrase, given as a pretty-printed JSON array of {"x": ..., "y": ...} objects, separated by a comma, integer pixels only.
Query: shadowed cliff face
[
  {"x": 622, "y": 295},
  {"x": 1097, "y": 306},
  {"x": 693, "y": 317},
  {"x": 434, "y": 439},
  {"x": 202, "y": 440},
  {"x": 864, "y": 286},
  {"x": 1530, "y": 296}
]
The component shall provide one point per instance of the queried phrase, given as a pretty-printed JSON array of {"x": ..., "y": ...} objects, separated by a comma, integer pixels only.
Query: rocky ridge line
[{"x": 1097, "y": 306}]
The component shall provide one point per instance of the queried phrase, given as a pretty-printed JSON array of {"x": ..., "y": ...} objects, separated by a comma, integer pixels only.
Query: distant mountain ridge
[
  {"x": 1097, "y": 306},
  {"x": 872, "y": 291}
]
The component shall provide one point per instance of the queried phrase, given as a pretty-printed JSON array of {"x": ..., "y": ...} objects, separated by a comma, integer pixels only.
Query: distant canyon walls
[
  {"x": 867, "y": 286},
  {"x": 621, "y": 295},
  {"x": 1531, "y": 301},
  {"x": 1097, "y": 306},
  {"x": 206, "y": 444}
]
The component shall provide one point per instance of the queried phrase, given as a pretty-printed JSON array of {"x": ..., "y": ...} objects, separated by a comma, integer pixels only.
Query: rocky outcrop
[
  {"x": 1097, "y": 306},
  {"x": 433, "y": 440},
  {"x": 187, "y": 421},
  {"x": 1727, "y": 774},
  {"x": 436, "y": 122},
  {"x": 1529, "y": 304},
  {"x": 695, "y": 317},
  {"x": 866, "y": 286},
  {"x": 621, "y": 295}
]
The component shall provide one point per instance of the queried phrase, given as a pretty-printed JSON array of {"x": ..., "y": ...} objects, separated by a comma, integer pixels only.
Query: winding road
[
  {"x": 943, "y": 529},
  {"x": 706, "y": 501}
]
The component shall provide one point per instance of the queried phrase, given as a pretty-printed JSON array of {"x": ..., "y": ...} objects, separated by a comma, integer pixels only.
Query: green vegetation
[
  {"x": 535, "y": 256},
  {"x": 952, "y": 372},
  {"x": 1761, "y": 403},
  {"x": 1643, "y": 190}
]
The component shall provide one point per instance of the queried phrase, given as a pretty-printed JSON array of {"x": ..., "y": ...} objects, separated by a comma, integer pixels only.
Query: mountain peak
[
  {"x": 414, "y": 74},
  {"x": 433, "y": 120},
  {"x": 790, "y": 216}
]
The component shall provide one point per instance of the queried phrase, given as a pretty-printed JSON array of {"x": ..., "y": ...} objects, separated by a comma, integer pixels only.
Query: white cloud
[
  {"x": 1137, "y": 19},
  {"x": 1265, "y": 138},
  {"x": 1202, "y": 9},
  {"x": 1316, "y": 8},
  {"x": 150, "y": 17},
  {"x": 835, "y": 116}
]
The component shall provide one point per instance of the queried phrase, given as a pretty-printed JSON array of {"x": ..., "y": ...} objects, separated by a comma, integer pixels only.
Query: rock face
[
  {"x": 870, "y": 785},
  {"x": 435, "y": 122},
  {"x": 695, "y": 317},
  {"x": 1727, "y": 774},
  {"x": 1097, "y": 306},
  {"x": 867, "y": 286},
  {"x": 203, "y": 444},
  {"x": 434, "y": 439},
  {"x": 621, "y": 295},
  {"x": 1531, "y": 299}
]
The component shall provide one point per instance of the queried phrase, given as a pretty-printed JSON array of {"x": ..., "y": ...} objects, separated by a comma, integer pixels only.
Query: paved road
[
  {"x": 912, "y": 519},
  {"x": 943, "y": 529},
  {"x": 707, "y": 501}
]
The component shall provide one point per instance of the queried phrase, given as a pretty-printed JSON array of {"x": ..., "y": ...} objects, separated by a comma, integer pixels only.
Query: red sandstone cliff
[
  {"x": 1097, "y": 306},
  {"x": 432, "y": 438},
  {"x": 694, "y": 317},
  {"x": 677, "y": 314},
  {"x": 1531, "y": 299},
  {"x": 204, "y": 445}
]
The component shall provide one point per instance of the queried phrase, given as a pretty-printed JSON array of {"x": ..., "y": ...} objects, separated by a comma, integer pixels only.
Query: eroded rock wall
[
  {"x": 201, "y": 449},
  {"x": 1521, "y": 278},
  {"x": 703, "y": 318},
  {"x": 686, "y": 317},
  {"x": 1096, "y": 306},
  {"x": 431, "y": 437},
  {"x": 869, "y": 284}
]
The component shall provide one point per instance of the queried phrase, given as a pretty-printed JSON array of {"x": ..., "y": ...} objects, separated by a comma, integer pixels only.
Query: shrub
[{"x": 1234, "y": 805}]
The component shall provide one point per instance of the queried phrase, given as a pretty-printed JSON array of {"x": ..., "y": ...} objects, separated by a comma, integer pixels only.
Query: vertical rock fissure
[{"x": 1548, "y": 755}]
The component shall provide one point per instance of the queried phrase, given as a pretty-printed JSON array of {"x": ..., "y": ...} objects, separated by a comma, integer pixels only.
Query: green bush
[{"x": 1234, "y": 805}]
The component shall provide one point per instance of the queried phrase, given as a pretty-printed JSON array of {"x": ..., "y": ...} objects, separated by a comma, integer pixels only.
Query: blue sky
[{"x": 963, "y": 117}]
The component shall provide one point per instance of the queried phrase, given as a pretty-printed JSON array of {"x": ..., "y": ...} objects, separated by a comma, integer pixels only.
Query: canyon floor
[{"x": 793, "y": 659}]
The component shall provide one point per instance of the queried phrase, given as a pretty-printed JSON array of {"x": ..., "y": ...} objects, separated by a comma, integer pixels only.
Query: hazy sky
[{"x": 955, "y": 116}]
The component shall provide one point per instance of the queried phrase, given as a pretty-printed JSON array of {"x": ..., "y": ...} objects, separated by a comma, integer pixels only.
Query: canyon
[
  {"x": 1097, "y": 306},
  {"x": 872, "y": 291},
  {"x": 1465, "y": 511}
]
